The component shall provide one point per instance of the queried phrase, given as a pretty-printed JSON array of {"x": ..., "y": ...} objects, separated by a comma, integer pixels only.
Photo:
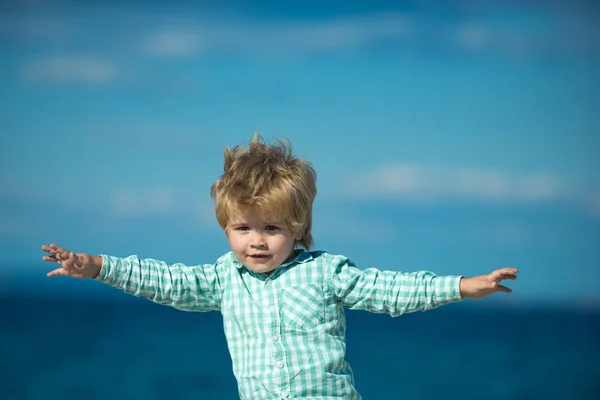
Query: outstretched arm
[
  {"x": 396, "y": 293},
  {"x": 187, "y": 288},
  {"x": 391, "y": 292}
]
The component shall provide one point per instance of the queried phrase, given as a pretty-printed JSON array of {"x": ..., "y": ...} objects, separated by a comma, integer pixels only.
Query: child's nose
[{"x": 258, "y": 241}]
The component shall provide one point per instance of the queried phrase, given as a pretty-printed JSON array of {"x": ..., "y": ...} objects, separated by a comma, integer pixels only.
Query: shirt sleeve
[
  {"x": 391, "y": 292},
  {"x": 186, "y": 288}
]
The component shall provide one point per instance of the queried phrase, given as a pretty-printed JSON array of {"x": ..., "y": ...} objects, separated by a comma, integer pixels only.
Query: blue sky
[{"x": 456, "y": 137}]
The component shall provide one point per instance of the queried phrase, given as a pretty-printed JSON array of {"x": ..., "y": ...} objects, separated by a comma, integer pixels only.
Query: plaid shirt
[{"x": 285, "y": 331}]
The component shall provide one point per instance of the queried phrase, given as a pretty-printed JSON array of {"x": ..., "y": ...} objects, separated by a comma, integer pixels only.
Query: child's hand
[
  {"x": 74, "y": 265},
  {"x": 481, "y": 286}
]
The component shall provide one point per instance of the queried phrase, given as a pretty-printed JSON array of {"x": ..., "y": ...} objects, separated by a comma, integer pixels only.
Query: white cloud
[
  {"x": 184, "y": 37},
  {"x": 166, "y": 201},
  {"x": 330, "y": 222},
  {"x": 338, "y": 33},
  {"x": 280, "y": 36},
  {"x": 415, "y": 183},
  {"x": 159, "y": 200},
  {"x": 77, "y": 69},
  {"x": 175, "y": 43},
  {"x": 560, "y": 34},
  {"x": 151, "y": 134},
  {"x": 472, "y": 35}
]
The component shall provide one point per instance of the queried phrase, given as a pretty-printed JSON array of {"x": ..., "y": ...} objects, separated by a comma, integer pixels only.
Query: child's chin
[{"x": 261, "y": 268}]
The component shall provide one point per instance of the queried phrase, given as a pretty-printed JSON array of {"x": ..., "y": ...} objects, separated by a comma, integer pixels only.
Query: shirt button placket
[
  {"x": 277, "y": 349},
  {"x": 277, "y": 344}
]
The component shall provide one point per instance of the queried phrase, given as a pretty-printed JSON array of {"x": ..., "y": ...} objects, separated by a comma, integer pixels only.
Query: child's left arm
[{"x": 396, "y": 293}]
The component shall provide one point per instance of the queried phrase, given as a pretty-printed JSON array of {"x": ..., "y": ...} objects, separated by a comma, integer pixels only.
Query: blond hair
[{"x": 268, "y": 178}]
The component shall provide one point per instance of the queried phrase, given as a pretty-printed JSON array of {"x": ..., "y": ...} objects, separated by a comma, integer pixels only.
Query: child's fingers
[
  {"x": 57, "y": 272},
  {"x": 58, "y": 252},
  {"x": 507, "y": 271},
  {"x": 504, "y": 277},
  {"x": 51, "y": 252},
  {"x": 58, "y": 249},
  {"x": 502, "y": 288},
  {"x": 504, "y": 273}
]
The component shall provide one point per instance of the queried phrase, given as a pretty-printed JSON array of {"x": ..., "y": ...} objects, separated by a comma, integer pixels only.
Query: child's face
[{"x": 258, "y": 241}]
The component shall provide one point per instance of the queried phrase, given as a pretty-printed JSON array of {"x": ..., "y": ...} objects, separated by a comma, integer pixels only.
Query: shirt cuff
[
  {"x": 106, "y": 271},
  {"x": 447, "y": 289}
]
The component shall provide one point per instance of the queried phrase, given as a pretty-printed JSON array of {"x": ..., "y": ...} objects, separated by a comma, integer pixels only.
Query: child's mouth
[{"x": 260, "y": 256}]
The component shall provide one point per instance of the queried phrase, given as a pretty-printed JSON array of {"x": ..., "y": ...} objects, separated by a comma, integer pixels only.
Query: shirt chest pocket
[{"x": 303, "y": 306}]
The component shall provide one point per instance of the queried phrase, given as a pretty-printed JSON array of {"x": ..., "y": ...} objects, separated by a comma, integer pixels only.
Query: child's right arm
[{"x": 187, "y": 288}]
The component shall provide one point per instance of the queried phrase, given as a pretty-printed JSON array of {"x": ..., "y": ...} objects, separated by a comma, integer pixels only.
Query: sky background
[{"x": 457, "y": 137}]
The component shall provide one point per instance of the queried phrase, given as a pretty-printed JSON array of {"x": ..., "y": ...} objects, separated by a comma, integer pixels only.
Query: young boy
[{"x": 282, "y": 304}]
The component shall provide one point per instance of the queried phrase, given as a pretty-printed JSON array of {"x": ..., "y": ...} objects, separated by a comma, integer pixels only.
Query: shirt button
[
  {"x": 273, "y": 308},
  {"x": 284, "y": 395},
  {"x": 275, "y": 338},
  {"x": 279, "y": 364},
  {"x": 267, "y": 282}
]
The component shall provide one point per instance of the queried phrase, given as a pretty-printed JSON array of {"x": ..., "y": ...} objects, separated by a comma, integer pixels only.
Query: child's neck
[{"x": 289, "y": 258}]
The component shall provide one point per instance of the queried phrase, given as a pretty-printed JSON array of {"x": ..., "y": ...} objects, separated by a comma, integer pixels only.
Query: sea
[{"x": 60, "y": 345}]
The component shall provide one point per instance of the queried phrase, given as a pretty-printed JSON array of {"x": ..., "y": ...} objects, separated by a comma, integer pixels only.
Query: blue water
[{"x": 129, "y": 348}]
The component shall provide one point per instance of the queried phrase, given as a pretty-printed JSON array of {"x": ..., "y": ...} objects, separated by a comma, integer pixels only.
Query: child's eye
[
  {"x": 271, "y": 228},
  {"x": 242, "y": 228}
]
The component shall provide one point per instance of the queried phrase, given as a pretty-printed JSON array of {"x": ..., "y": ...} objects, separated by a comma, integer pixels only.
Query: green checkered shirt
[{"x": 285, "y": 331}]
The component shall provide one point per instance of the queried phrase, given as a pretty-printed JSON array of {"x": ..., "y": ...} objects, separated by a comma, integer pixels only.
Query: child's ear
[{"x": 299, "y": 234}]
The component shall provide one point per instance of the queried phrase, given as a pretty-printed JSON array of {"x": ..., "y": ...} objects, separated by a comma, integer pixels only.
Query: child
[{"x": 282, "y": 304}]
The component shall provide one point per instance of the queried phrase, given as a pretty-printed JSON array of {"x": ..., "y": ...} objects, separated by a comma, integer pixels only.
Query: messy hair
[{"x": 268, "y": 178}]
